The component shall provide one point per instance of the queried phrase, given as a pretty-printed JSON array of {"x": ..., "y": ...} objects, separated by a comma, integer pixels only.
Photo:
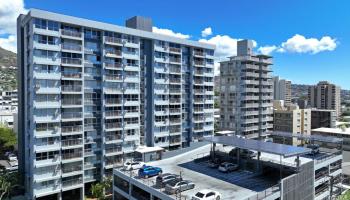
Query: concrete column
[
  {"x": 59, "y": 196},
  {"x": 82, "y": 193}
]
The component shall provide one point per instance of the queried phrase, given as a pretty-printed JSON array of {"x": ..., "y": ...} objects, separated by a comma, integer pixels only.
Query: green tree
[
  {"x": 8, "y": 138},
  {"x": 345, "y": 196},
  {"x": 99, "y": 190},
  {"x": 8, "y": 181}
]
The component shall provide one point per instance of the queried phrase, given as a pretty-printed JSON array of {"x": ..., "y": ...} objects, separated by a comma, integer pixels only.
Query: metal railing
[
  {"x": 113, "y": 40},
  {"x": 73, "y": 182},
  {"x": 114, "y": 65},
  {"x": 71, "y": 155},
  {"x": 71, "y": 74},
  {"x": 72, "y": 142},
  {"x": 70, "y": 129},
  {"x": 265, "y": 193},
  {"x": 72, "y": 115},
  {"x": 71, "y": 47}
]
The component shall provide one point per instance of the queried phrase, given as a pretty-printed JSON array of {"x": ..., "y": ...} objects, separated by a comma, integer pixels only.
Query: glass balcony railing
[
  {"x": 68, "y": 156},
  {"x": 73, "y": 47},
  {"x": 67, "y": 74},
  {"x": 72, "y": 142},
  {"x": 113, "y": 40},
  {"x": 72, "y": 115},
  {"x": 71, "y": 88},
  {"x": 71, "y": 33},
  {"x": 70, "y": 129},
  {"x": 70, "y": 183},
  {"x": 74, "y": 61}
]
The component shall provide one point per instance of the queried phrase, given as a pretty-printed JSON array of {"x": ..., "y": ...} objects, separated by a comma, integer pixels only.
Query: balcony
[
  {"x": 199, "y": 53},
  {"x": 72, "y": 168},
  {"x": 199, "y": 63},
  {"x": 72, "y": 142},
  {"x": 113, "y": 101},
  {"x": 115, "y": 65},
  {"x": 175, "y": 60},
  {"x": 110, "y": 138},
  {"x": 175, "y": 80},
  {"x": 72, "y": 115},
  {"x": 69, "y": 156},
  {"x": 174, "y": 90},
  {"x": 178, "y": 100},
  {"x": 175, "y": 121},
  {"x": 72, "y": 47},
  {"x": 114, "y": 150},
  {"x": 113, "y": 125},
  {"x": 113, "y": 40},
  {"x": 114, "y": 113},
  {"x": 72, "y": 183},
  {"x": 71, "y": 129},
  {"x": 71, "y": 88},
  {"x": 113, "y": 53},
  {"x": 71, "y": 33},
  {"x": 71, "y": 61},
  {"x": 116, "y": 77},
  {"x": 71, "y": 75},
  {"x": 175, "y": 110},
  {"x": 174, "y": 50},
  {"x": 71, "y": 102}
]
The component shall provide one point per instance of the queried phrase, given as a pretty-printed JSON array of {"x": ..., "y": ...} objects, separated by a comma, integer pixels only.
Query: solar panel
[
  {"x": 319, "y": 138},
  {"x": 256, "y": 145}
]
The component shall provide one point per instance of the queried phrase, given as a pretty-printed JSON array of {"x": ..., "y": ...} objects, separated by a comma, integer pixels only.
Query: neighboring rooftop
[{"x": 320, "y": 138}]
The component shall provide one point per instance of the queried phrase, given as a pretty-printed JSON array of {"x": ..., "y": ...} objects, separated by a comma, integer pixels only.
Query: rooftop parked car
[
  {"x": 131, "y": 165},
  {"x": 166, "y": 178},
  {"x": 214, "y": 163},
  {"x": 227, "y": 167},
  {"x": 148, "y": 171},
  {"x": 247, "y": 153},
  {"x": 175, "y": 187},
  {"x": 315, "y": 148},
  {"x": 207, "y": 194}
]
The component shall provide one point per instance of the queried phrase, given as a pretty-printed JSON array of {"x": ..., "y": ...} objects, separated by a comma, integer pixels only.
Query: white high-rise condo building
[
  {"x": 246, "y": 92},
  {"x": 90, "y": 93},
  {"x": 325, "y": 95}
]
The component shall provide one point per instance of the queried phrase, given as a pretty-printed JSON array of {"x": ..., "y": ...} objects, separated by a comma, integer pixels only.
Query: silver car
[
  {"x": 163, "y": 179},
  {"x": 175, "y": 187}
]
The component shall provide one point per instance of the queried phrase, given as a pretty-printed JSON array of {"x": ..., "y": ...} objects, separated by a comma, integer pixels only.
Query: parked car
[
  {"x": 315, "y": 148},
  {"x": 227, "y": 167},
  {"x": 214, "y": 163},
  {"x": 207, "y": 194},
  {"x": 148, "y": 171},
  {"x": 131, "y": 165},
  {"x": 247, "y": 153},
  {"x": 11, "y": 157},
  {"x": 166, "y": 178},
  {"x": 179, "y": 186}
]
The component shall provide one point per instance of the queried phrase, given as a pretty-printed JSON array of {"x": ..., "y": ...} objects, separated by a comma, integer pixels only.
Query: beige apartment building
[
  {"x": 292, "y": 119},
  {"x": 325, "y": 95}
]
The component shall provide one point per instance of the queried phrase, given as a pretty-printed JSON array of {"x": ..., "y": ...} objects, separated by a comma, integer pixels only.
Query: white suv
[
  {"x": 207, "y": 195},
  {"x": 132, "y": 165}
]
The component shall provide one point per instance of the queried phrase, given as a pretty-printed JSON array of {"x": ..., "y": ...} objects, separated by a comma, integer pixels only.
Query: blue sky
[{"x": 272, "y": 23}]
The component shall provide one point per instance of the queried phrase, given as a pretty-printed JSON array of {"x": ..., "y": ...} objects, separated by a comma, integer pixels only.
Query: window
[
  {"x": 40, "y": 23},
  {"x": 53, "y": 26}
]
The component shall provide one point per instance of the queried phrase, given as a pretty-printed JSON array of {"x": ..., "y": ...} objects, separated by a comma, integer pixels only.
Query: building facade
[
  {"x": 282, "y": 90},
  {"x": 325, "y": 95},
  {"x": 293, "y": 120},
  {"x": 90, "y": 93},
  {"x": 246, "y": 92},
  {"x": 323, "y": 118}
]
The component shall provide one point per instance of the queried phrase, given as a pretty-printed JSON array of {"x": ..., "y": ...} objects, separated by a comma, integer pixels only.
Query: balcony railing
[
  {"x": 71, "y": 88},
  {"x": 175, "y": 100},
  {"x": 174, "y": 49},
  {"x": 115, "y": 65},
  {"x": 114, "y": 77},
  {"x": 114, "y": 125},
  {"x": 114, "y": 52},
  {"x": 72, "y": 142},
  {"x": 114, "y": 101},
  {"x": 176, "y": 60},
  {"x": 70, "y": 129},
  {"x": 71, "y": 33},
  {"x": 71, "y": 47},
  {"x": 73, "y": 168},
  {"x": 74, "y": 61},
  {"x": 71, "y": 155},
  {"x": 72, "y": 115},
  {"x": 196, "y": 62},
  {"x": 114, "y": 113},
  {"x": 71, "y": 101},
  {"x": 73, "y": 182},
  {"x": 114, "y": 137},
  {"x": 71, "y": 74},
  {"x": 113, "y": 40},
  {"x": 114, "y": 150}
]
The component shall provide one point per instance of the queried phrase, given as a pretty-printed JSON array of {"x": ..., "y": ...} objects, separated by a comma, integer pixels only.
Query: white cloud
[
  {"x": 267, "y": 49},
  {"x": 206, "y": 32},
  {"x": 9, "y": 11},
  {"x": 225, "y": 46},
  {"x": 169, "y": 33},
  {"x": 300, "y": 44},
  {"x": 9, "y": 43}
]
